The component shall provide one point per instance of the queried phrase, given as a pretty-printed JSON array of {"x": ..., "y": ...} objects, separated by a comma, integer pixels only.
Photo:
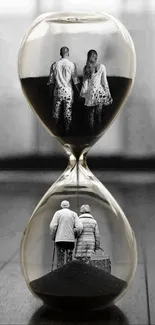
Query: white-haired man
[{"x": 64, "y": 228}]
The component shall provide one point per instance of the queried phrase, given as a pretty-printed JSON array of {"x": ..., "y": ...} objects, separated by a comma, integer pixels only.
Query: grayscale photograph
[{"x": 77, "y": 162}]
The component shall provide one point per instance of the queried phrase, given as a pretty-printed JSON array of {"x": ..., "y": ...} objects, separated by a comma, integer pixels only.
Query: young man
[
  {"x": 62, "y": 74},
  {"x": 64, "y": 227}
]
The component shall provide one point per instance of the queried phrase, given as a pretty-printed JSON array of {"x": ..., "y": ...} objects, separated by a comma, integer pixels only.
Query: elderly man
[
  {"x": 62, "y": 74},
  {"x": 64, "y": 228}
]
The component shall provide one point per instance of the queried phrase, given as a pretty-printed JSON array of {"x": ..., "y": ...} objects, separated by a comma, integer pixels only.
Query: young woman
[
  {"x": 89, "y": 239},
  {"x": 95, "y": 89}
]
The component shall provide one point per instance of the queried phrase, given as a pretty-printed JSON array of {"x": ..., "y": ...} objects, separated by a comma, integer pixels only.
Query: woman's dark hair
[
  {"x": 89, "y": 67},
  {"x": 90, "y": 52}
]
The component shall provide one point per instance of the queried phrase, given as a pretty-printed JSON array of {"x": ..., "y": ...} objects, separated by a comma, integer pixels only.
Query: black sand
[
  {"x": 78, "y": 286},
  {"x": 80, "y": 134}
]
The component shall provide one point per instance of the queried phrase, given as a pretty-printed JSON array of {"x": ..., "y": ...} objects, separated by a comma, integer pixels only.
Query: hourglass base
[{"x": 78, "y": 286}]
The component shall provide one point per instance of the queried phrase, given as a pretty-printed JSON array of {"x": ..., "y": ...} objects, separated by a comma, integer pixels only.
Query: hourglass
[{"x": 78, "y": 250}]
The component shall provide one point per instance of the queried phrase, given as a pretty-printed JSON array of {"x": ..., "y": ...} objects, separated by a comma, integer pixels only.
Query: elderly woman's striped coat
[{"x": 89, "y": 240}]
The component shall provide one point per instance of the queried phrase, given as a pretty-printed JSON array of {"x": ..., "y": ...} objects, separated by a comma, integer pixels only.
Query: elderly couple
[
  {"x": 95, "y": 90},
  {"x": 66, "y": 228}
]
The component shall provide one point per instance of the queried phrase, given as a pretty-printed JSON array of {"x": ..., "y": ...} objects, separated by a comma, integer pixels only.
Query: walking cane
[{"x": 53, "y": 256}]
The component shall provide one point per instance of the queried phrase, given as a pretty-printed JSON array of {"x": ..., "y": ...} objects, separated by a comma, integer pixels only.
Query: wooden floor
[{"x": 19, "y": 194}]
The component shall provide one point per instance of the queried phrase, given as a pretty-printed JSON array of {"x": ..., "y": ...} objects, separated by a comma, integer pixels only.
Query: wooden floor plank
[
  {"x": 134, "y": 303},
  {"x": 17, "y": 304}
]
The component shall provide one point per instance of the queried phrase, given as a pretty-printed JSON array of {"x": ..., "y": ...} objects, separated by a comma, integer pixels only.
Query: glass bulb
[
  {"x": 82, "y": 283},
  {"x": 77, "y": 105}
]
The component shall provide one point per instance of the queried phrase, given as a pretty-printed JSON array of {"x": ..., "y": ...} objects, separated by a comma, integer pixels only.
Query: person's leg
[
  {"x": 99, "y": 113},
  {"x": 68, "y": 112},
  {"x": 57, "y": 106},
  {"x": 69, "y": 256},
  {"x": 87, "y": 259},
  {"x": 69, "y": 252},
  {"x": 86, "y": 255},
  {"x": 60, "y": 255},
  {"x": 91, "y": 118}
]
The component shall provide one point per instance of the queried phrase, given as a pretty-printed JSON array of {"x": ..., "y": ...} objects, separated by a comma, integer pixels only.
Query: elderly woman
[{"x": 89, "y": 240}]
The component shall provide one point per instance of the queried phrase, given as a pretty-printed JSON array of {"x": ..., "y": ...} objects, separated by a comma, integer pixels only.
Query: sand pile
[{"x": 78, "y": 286}]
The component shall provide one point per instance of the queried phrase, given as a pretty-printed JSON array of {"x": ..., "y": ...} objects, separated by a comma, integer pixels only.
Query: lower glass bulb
[{"x": 91, "y": 269}]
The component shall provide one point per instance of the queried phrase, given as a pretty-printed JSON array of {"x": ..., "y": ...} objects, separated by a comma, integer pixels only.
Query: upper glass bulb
[{"x": 76, "y": 70}]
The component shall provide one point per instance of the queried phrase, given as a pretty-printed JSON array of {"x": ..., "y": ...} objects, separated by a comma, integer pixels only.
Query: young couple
[
  {"x": 95, "y": 89},
  {"x": 66, "y": 228}
]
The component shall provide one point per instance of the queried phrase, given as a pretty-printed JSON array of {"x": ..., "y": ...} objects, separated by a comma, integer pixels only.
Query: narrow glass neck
[
  {"x": 81, "y": 161},
  {"x": 76, "y": 155}
]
